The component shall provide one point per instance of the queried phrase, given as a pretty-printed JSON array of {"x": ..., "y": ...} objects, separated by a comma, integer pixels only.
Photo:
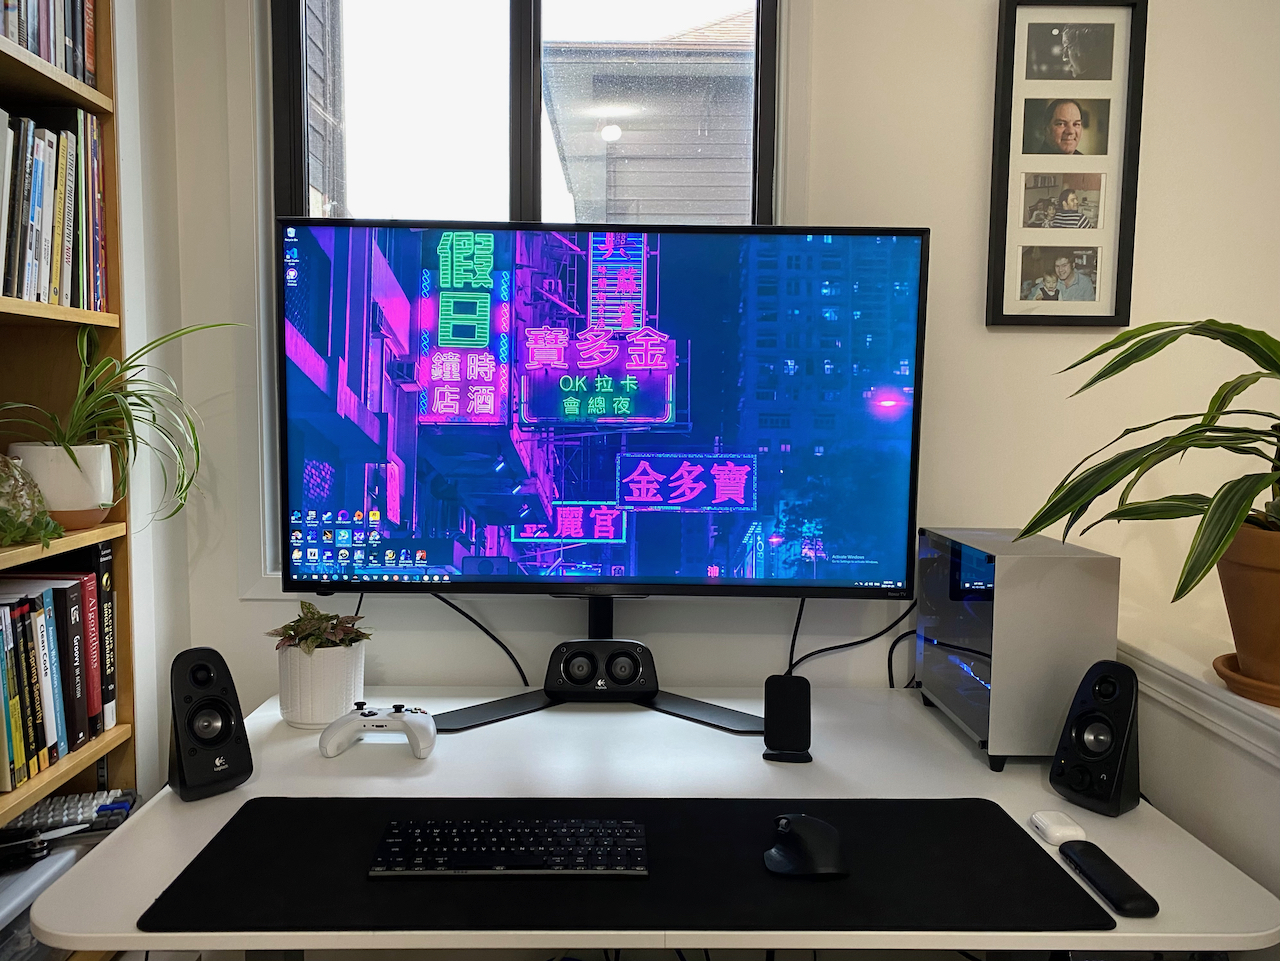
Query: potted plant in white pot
[
  {"x": 81, "y": 460},
  {"x": 1243, "y": 541},
  {"x": 321, "y": 666}
]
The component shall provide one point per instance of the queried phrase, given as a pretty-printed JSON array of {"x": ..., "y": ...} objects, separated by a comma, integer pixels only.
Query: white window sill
[{"x": 1178, "y": 672}]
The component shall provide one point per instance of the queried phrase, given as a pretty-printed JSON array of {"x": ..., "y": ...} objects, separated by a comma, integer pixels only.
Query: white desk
[{"x": 866, "y": 743}]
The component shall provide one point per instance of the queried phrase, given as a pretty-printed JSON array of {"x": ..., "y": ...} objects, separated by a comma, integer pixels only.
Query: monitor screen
[{"x": 599, "y": 410}]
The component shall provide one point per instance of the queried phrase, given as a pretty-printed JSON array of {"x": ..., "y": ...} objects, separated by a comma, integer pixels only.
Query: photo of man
[
  {"x": 1070, "y": 51},
  {"x": 1062, "y": 200},
  {"x": 1059, "y": 273},
  {"x": 1065, "y": 126}
]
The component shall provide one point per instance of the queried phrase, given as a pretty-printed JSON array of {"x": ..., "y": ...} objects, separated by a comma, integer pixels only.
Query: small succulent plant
[
  {"x": 23, "y": 516},
  {"x": 314, "y": 628}
]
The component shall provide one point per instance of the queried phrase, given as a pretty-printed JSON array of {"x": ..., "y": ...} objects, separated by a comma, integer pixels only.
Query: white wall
[{"x": 886, "y": 120}]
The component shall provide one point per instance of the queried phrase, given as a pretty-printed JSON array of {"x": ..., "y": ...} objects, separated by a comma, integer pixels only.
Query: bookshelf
[{"x": 44, "y": 338}]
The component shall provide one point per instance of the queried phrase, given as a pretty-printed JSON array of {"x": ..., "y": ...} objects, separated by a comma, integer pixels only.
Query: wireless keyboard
[
  {"x": 421, "y": 849},
  {"x": 101, "y": 811}
]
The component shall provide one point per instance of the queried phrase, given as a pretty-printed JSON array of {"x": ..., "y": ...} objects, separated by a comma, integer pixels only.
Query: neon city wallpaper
[{"x": 475, "y": 403}]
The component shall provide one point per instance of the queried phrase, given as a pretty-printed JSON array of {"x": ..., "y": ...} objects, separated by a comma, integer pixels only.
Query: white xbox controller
[{"x": 418, "y": 726}]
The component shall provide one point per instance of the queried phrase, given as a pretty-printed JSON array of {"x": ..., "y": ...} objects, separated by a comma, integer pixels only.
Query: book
[
  {"x": 81, "y": 267},
  {"x": 71, "y": 616},
  {"x": 59, "y": 36},
  {"x": 97, "y": 237},
  {"x": 90, "y": 41},
  {"x": 6, "y": 186},
  {"x": 12, "y": 704},
  {"x": 46, "y": 211},
  {"x": 25, "y": 728},
  {"x": 33, "y": 723},
  {"x": 58, "y": 226},
  {"x": 77, "y": 40},
  {"x": 11, "y": 19},
  {"x": 31, "y": 265},
  {"x": 18, "y": 217},
  {"x": 42, "y": 622},
  {"x": 6, "y": 742},
  {"x": 68, "y": 219}
]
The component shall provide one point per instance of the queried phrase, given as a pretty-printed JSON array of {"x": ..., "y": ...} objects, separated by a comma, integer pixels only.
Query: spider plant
[
  {"x": 127, "y": 405},
  {"x": 1250, "y": 433}
]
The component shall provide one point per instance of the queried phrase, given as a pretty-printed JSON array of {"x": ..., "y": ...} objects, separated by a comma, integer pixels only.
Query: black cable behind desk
[{"x": 958, "y": 864}]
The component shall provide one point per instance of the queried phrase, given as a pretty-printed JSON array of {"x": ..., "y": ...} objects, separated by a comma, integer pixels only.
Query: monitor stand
[{"x": 600, "y": 627}]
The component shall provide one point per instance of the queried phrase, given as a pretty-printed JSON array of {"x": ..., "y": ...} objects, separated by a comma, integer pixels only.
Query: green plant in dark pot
[{"x": 1242, "y": 540}]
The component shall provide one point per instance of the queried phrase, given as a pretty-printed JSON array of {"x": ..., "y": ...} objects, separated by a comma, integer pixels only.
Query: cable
[
  {"x": 492, "y": 636},
  {"x": 894, "y": 643},
  {"x": 680, "y": 955},
  {"x": 359, "y": 604},
  {"x": 970, "y": 957},
  {"x": 911, "y": 683},
  {"x": 791, "y": 656},
  {"x": 706, "y": 955},
  {"x": 865, "y": 640}
]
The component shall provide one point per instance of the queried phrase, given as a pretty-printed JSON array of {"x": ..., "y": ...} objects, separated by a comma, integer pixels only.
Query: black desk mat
[{"x": 960, "y": 864}]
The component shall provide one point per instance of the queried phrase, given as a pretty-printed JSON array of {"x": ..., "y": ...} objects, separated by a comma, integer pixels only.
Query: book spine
[
  {"x": 6, "y": 742},
  {"x": 77, "y": 39},
  {"x": 13, "y": 703},
  {"x": 107, "y": 633},
  {"x": 68, "y": 218},
  {"x": 11, "y": 19},
  {"x": 75, "y": 710},
  {"x": 68, "y": 36},
  {"x": 59, "y": 36},
  {"x": 46, "y": 26},
  {"x": 56, "y": 231},
  {"x": 31, "y": 267},
  {"x": 46, "y": 211},
  {"x": 38, "y": 755},
  {"x": 21, "y": 625},
  {"x": 90, "y": 41},
  {"x": 92, "y": 654},
  {"x": 95, "y": 226},
  {"x": 6, "y": 191},
  {"x": 49, "y": 700},
  {"x": 27, "y": 18},
  {"x": 21, "y": 173},
  {"x": 52, "y": 602},
  {"x": 21, "y": 39},
  {"x": 82, "y": 210}
]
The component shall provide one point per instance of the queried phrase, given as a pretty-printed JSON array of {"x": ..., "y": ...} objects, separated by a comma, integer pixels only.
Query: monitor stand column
[{"x": 600, "y": 628}]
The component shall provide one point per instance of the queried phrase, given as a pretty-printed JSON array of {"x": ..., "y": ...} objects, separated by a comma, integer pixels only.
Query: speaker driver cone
[
  {"x": 209, "y": 723},
  {"x": 622, "y": 668},
  {"x": 580, "y": 667},
  {"x": 1096, "y": 738}
]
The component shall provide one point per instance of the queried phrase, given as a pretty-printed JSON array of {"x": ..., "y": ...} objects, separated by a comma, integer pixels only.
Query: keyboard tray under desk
[{"x": 959, "y": 864}]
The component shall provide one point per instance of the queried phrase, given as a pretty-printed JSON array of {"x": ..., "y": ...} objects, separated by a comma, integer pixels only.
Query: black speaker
[
  {"x": 601, "y": 671},
  {"x": 208, "y": 747},
  {"x": 1096, "y": 765},
  {"x": 786, "y": 718}
]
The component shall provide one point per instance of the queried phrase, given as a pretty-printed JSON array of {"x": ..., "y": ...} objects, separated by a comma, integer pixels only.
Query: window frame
[{"x": 289, "y": 123}]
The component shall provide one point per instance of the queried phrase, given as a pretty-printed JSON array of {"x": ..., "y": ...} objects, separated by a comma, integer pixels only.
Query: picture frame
[{"x": 1064, "y": 168}]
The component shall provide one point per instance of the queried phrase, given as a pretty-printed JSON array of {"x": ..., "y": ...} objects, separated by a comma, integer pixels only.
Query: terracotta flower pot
[{"x": 1250, "y": 576}]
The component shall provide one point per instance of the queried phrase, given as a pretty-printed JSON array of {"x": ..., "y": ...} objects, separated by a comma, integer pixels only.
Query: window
[
  {"x": 790, "y": 367},
  {"x": 766, "y": 341},
  {"x": 830, "y": 288},
  {"x": 824, "y": 422},
  {"x": 586, "y": 112},
  {"x": 774, "y": 420},
  {"x": 784, "y": 447},
  {"x": 767, "y": 317},
  {"x": 828, "y": 366},
  {"x": 762, "y": 446},
  {"x": 793, "y": 287}
]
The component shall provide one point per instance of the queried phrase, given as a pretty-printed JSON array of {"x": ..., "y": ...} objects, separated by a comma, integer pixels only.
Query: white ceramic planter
[
  {"x": 322, "y": 686},
  {"x": 77, "y": 497}
]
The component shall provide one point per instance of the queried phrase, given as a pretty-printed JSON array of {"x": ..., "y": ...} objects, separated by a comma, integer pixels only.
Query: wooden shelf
[
  {"x": 22, "y": 72},
  {"x": 47, "y": 781},
  {"x": 25, "y": 553},
  {"x": 15, "y": 311}
]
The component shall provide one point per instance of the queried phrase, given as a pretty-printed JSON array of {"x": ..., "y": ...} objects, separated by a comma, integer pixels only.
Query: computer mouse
[{"x": 805, "y": 847}]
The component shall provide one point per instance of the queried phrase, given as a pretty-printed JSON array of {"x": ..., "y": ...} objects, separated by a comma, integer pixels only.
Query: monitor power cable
[
  {"x": 893, "y": 644},
  {"x": 796, "y": 662},
  {"x": 492, "y": 636}
]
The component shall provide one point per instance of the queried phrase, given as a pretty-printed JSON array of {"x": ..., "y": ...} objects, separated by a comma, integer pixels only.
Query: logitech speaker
[
  {"x": 208, "y": 747},
  {"x": 601, "y": 671},
  {"x": 786, "y": 718},
  {"x": 1096, "y": 765}
]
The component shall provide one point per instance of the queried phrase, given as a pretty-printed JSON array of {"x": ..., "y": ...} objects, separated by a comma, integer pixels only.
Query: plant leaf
[
  {"x": 1123, "y": 338},
  {"x": 1163, "y": 508},
  {"x": 1223, "y": 517},
  {"x": 1232, "y": 389}
]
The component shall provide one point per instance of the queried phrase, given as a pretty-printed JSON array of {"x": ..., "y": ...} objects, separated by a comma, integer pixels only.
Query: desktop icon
[
  {"x": 326, "y": 556},
  {"x": 344, "y": 517},
  {"x": 312, "y": 517},
  {"x": 420, "y": 557},
  {"x": 375, "y": 560},
  {"x": 375, "y": 516},
  {"x": 296, "y": 556},
  {"x": 343, "y": 536},
  {"x": 359, "y": 556},
  {"x": 344, "y": 555},
  {"x": 291, "y": 232},
  {"x": 313, "y": 554},
  {"x": 326, "y": 536},
  {"x": 295, "y": 517},
  {"x": 389, "y": 556},
  {"x": 357, "y": 537},
  {"x": 406, "y": 557},
  {"x": 374, "y": 538},
  {"x": 295, "y": 537},
  {"x": 313, "y": 537},
  {"x": 327, "y": 517},
  {"x": 358, "y": 517}
]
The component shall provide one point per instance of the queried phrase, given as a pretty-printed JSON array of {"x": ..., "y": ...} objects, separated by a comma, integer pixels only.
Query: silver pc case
[{"x": 1006, "y": 629}]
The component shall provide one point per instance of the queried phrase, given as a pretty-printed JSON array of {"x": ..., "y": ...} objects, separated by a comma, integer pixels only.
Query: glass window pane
[
  {"x": 647, "y": 111},
  {"x": 404, "y": 118}
]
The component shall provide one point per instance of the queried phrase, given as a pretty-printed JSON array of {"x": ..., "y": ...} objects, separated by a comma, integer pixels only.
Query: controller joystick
[{"x": 418, "y": 726}]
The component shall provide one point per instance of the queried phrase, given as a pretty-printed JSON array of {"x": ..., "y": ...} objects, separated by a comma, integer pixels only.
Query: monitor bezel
[{"x": 289, "y": 584}]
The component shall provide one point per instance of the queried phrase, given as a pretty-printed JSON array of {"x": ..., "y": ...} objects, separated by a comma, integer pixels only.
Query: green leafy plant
[
  {"x": 1251, "y": 433},
  {"x": 127, "y": 405},
  {"x": 314, "y": 628},
  {"x": 23, "y": 516}
]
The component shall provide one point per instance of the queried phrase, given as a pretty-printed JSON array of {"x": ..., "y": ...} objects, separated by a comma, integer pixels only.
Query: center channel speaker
[
  {"x": 208, "y": 747},
  {"x": 1096, "y": 765},
  {"x": 601, "y": 671}
]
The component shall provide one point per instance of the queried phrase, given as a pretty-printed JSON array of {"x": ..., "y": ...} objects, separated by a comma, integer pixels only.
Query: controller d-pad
[{"x": 368, "y": 713}]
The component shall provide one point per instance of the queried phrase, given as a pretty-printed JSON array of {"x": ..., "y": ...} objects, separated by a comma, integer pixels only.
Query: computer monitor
[{"x": 599, "y": 410}]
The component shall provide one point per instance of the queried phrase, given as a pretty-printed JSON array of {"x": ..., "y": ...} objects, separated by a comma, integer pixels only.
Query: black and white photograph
[
  {"x": 1068, "y": 126},
  {"x": 1070, "y": 51},
  {"x": 1064, "y": 274},
  {"x": 1062, "y": 200}
]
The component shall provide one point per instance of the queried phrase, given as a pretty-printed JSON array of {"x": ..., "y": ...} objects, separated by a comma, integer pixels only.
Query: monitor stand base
[{"x": 601, "y": 627}]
